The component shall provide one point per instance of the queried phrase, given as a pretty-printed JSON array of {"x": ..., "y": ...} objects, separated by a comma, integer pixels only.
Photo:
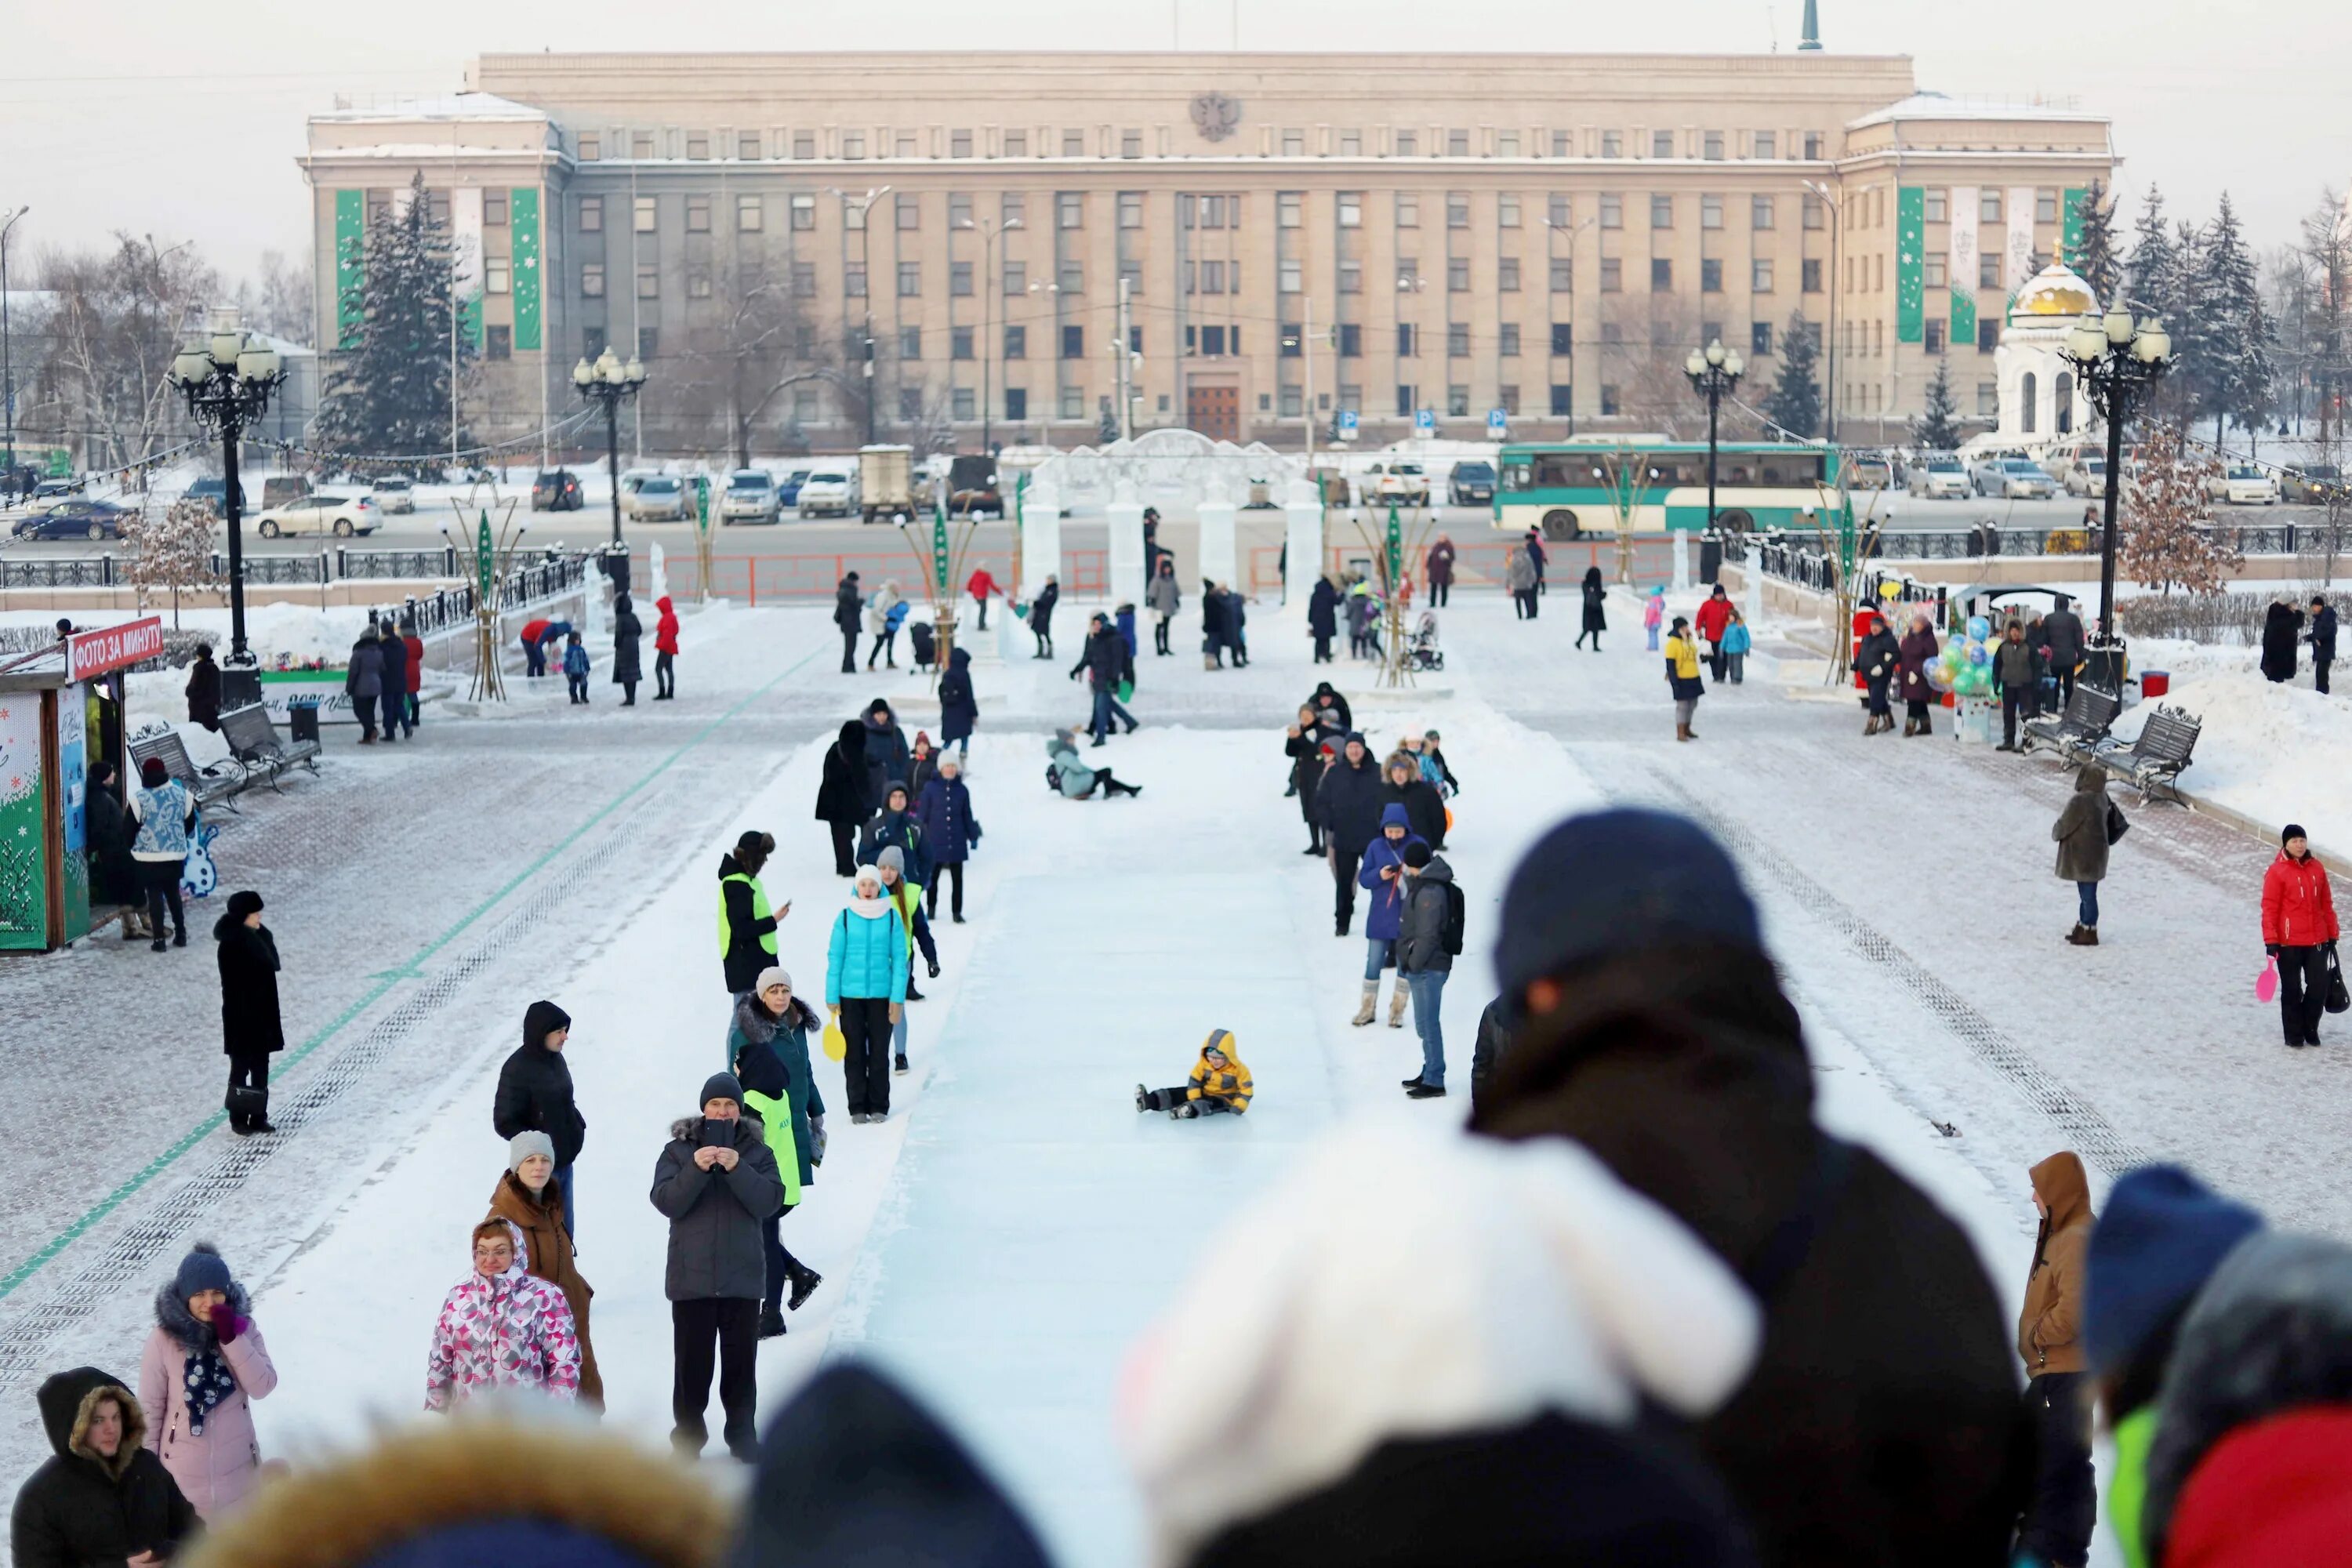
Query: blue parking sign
[
  {"x": 1425, "y": 421},
  {"x": 1497, "y": 423},
  {"x": 1348, "y": 423}
]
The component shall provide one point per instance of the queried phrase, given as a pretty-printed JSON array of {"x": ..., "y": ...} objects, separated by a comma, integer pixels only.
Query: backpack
[{"x": 1458, "y": 913}]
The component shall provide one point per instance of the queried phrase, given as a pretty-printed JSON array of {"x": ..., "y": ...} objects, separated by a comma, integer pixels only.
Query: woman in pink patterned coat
[{"x": 500, "y": 1327}]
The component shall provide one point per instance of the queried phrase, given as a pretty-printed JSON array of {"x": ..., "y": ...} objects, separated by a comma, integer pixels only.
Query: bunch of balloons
[{"x": 1965, "y": 665}]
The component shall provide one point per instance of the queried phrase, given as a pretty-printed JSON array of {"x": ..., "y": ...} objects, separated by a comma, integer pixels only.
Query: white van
[{"x": 831, "y": 489}]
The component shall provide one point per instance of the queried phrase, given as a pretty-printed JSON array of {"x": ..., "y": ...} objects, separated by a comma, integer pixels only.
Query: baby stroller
[{"x": 1420, "y": 649}]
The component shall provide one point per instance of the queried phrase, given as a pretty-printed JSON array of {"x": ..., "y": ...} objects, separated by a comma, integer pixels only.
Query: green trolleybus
[{"x": 1573, "y": 489}]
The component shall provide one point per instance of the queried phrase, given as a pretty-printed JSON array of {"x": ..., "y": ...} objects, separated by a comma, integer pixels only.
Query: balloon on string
[{"x": 1979, "y": 627}]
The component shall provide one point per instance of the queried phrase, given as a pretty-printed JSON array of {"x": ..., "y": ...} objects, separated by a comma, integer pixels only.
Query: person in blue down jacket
[
  {"x": 950, "y": 833},
  {"x": 1383, "y": 875},
  {"x": 1074, "y": 778},
  {"x": 866, "y": 989}
]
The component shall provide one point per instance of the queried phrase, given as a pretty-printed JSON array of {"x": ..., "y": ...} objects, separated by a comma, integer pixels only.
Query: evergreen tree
[
  {"x": 2187, "y": 390},
  {"x": 2096, "y": 259},
  {"x": 1795, "y": 401},
  {"x": 2234, "y": 337},
  {"x": 1937, "y": 426},
  {"x": 390, "y": 392},
  {"x": 2152, "y": 277}
]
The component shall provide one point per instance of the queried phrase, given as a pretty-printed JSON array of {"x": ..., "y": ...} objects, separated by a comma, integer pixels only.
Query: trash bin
[
  {"x": 2155, "y": 683},
  {"x": 1710, "y": 559},
  {"x": 303, "y": 718}
]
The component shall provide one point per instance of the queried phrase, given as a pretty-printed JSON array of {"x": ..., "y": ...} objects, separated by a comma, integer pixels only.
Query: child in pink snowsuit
[{"x": 1653, "y": 612}]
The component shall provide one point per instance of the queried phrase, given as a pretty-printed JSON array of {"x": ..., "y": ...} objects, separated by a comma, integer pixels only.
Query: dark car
[
  {"x": 75, "y": 520},
  {"x": 788, "y": 488},
  {"x": 2309, "y": 483},
  {"x": 972, "y": 488},
  {"x": 556, "y": 489},
  {"x": 1472, "y": 484},
  {"x": 211, "y": 494}
]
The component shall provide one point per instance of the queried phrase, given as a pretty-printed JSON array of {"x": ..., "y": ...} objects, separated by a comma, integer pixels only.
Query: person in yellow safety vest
[{"x": 747, "y": 928}]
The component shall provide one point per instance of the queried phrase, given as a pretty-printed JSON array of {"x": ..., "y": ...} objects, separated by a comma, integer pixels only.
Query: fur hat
[
  {"x": 524, "y": 1144},
  {"x": 242, "y": 902}
]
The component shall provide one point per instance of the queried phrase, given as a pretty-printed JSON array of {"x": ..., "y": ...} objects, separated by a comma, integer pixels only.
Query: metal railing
[
  {"x": 2080, "y": 539},
  {"x": 429, "y": 562},
  {"x": 308, "y": 571},
  {"x": 57, "y": 572}
]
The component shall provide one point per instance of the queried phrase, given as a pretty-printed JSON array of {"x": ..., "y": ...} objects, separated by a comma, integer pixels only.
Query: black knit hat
[
  {"x": 242, "y": 902},
  {"x": 1416, "y": 853},
  {"x": 2292, "y": 830}
]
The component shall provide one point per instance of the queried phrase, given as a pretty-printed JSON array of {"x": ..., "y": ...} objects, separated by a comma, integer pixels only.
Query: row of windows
[{"x": 1291, "y": 141}]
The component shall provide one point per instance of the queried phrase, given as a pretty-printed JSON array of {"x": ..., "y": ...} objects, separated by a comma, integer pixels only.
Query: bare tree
[
  {"x": 118, "y": 318},
  {"x": 169, "y": 549},
  {"x": 757, "y": 342},
  {"x": 1646, "y": 367},
  {"x": 280, "y": 300},
  {"x": 2164, "y": 544},
  {"x": 2326, "y": 248}
]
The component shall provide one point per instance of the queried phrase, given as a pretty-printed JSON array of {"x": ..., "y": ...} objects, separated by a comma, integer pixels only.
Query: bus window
[
  {"x": 1557, "y": 470},
  {"x": 1739, "y": 475},
  {"x": 1515, "y": 477}
]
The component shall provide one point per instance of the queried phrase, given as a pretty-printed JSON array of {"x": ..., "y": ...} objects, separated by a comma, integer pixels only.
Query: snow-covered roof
[
  {"x": 1941, "y": 106},
  {"x": 444, "y": 106}
]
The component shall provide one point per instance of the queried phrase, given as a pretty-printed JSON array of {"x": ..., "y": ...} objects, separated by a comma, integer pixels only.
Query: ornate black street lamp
[
  {"x": 2117, "y": 361},
  {"x": 227, "y": 376},
  {"x": 609, "y": 384},
  {"x": 1712, "y": 373}
]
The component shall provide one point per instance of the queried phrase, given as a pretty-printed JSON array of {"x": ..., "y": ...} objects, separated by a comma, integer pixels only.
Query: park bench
[
  {"x": 2076, "y": 733},
  {"x": 2156, "y": 759},
  {"x": 254, "y": 741},
  {"x": 210, "y": 787}
]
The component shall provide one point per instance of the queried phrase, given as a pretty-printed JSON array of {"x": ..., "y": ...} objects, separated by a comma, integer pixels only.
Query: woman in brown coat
[
  {"x": 527, "y": 1198},
  {"x": 2083, "y": 834},
  {"x": 2059, "y": 1510}
]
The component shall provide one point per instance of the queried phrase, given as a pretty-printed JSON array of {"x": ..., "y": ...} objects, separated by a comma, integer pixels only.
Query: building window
[
  {"x": 649, "y": 342},
  {"x": 1406, "y": 400},
  {"x": 1506, "y": 274},
  {"x": 903, "y": 145},
  {"x": 1073, "y": 143},
  {"x": 698, "y": 215},
  {"x": 1612, "y": 275},
  {"x": 1562, "y": 274},
  {"x": 747, "y": 145},
  {"x": 1759, "y": 212},
  {"x": 1662, "y": 212},
  {"x": 1130, "y": 209},
  {"x": 911, "y": 280},
  {"x": 1294, "y": 143},
  {"x": 497, "y": 342},
  {"x": 1563, "y": 340},
  {"x": 1561, "y": 404},
  {"x": 1662, "y": 275},
  {"x": 698, "y": 282},
  {"x": 648, "y": 280},
  {"x": 959, "y": 209},
  {"x": 1934, "y": 271},
  {"x": 1074, "y": 342},
  {"x": 1987, "y": 334},
  {"x": 1608, "y": 401},
  {"x": 1074, "y": 402},
  {"x": 1506, "y": 210},
  {"x": 853, "y": 280},
  {"x": 1989, "y": 204},
  {"x": 803, "y": 143},
  {"x": 1935, "y": 336},
  {"x": 960, "y": 280},
  {"x": 1812, "y": 145},
  {"x": 1506, "y": 342},
  {"x": 1408, "y": 272},
  {"x": 646, "y": 212},
  {"x": 959, "y": 343},
  {"x": 1287, "y": 209},
  {"x": 911, "y": 403},
  {"x": 1662, "y": 143},
  {"x": 1072, "y": 279},
  {"x": 1404, "y": 341},
  {"x": 1763, "y": 144},
  {"x": 1458, "y": 144},
  {"x": 1710, "y": 276},
  {"x": 803, "y": 280},
  {"x": 592, "y": 147},
  {"x": 1759, "y": 338},
  {"x": 1557, "y": 209},
  {"x": 1290, "y": 277},
  {"x": 1351, "y": 340},
  {"x": 1457, "y": 340},
  {"x": 1507, "y": 144},
  {"x": 1937, "y": 203},
  {"x": 1351, "y": 143},
  {"x": 1017, "y": 342},
  {"x": 747, "y": 214},
  {"x": 592, "y": 214},
  {"x": 1458, "y": 209},
  {"x": 1712, "y": 145},
  {"x": 1213, "y": 342},
  {"x": 910, "y": 209},
  {"x": 1988, "y": 271},
  {"x": 911, "y": 343},
  {"x": 1070, "y": 210},
  {"x": 1286, "y": 338},
  {"x": 1560, "y": 144},
  {"x": 1710, "y": 212},
  {"x": 1407, "y": 143},
  {"x": 591, "y": 343},
  {"x": 1812, "y": 275},
  {"x": 1351, "y": 277},
  {"x": 1016, "y": 403},
  {"x": 494, "y": 209},
  {"x": 641, "y": 145},
  {"x": 591, "y": 279},
  {"x": 1408, "y": 210},
  {"x": 1814, "y": 212},
  {"x": 1294, "y": 404},
  {"x": 1457, "y": 275},
  {"x": 1016, "y": 278},
  {"x": 1016, "y": 143},
  {"x": 698, "y": 144},
  {"x": 1987, "y": 400},
  {"x": 1010, "y": 210},
  {"x": 1613, "y": 143},
  {"x": 2046, "y": 207},
  {"x": 1351, "y": 209},
  {"x": 1612, "y": 209},
  {"x": 496, "y": 271}
]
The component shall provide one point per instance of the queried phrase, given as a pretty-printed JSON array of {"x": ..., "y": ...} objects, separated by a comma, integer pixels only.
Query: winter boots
[
  {"x": 772, "y": 1322},
  {"x": 1398, "y": 997},
  {"x": 1683, "y": 732},
  {"x": 2084, "y": 936},
  {"x": 898, "y": 1064},
  {"x": 804, "y": 1281},
  {"x": 1365, "y": 1013}
]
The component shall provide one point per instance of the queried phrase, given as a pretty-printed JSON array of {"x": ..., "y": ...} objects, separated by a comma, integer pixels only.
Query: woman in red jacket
[
  {"x": 2299, "y": 931},
  {"x": 665, "y": 651}
]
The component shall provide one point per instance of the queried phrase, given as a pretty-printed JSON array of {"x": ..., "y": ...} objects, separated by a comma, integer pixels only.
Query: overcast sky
[{"x": 159, "y": 117}]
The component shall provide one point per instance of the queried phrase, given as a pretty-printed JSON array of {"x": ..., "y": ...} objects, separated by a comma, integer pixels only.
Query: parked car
[
  {"x": 2312, "y": 484},
  {"x": 750, "y": 497},
  {"x": 2242, "y": 484},
  {"x": 788, "y": 488},
  {"x": 395, "y": 495},
  {"x": 74, "y": 518},
  {"x": 1399, "y": 484},
  {"x": 209, "y": 493},
  {"x": 830, "y": 489},
  {"x": 1939, "y": 476},
  {"x": 1867, "y": 472},
  {"x": 556, "y": 489},
  {"x": 971, "y": 487},
  {"x": 1472, "y": 484},
  {"x": 652, "y": 497},
  {"x": 2087, "y": 476},
  {"x": 56, "y": 490},
  {"x": 2015, "y": 479},
  {"x": 341, "y": 515},
  {"x": 277, "y": 489}
]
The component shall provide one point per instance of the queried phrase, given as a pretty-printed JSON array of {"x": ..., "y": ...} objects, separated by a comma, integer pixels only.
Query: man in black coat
[
  {"x": 114, "y": 874},
  {"x": 844, "y": 801},
  {"x": 1881, "y": 1425},
  {"x": 1107, "y": 662},
  {"x": 886, "y": 756},
  {"x": 1348, "y": 803},
  {"x": 2321, "y": 637},
  {"x": 205, "y": 689},
  {"x": 2061, "y": 633},
  {"x": 716, "y": 1181},
  {"x": 101, "y": 1498},
  {"x": 251, "y": 1031},
  {"x": 1041, "y": 615},
  {"x": 846, "y": 616},
  {"x": 1323, "y": 617},
  {"x": 395, "y": 679},
  {"x": 535, "y": 1096}
]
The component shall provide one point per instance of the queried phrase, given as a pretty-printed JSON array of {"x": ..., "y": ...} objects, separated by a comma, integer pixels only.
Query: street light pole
[
  {"x": 1837, "y": 228},
  {"x": 2117, "y": 360},
  {"x": 8, "y": 368},
  {"x": 1713, "y": 373},
  {"x": 226, "y": 378},
  {"x": 865, "y": 205},
  {"x": 608, "y": 384},
  {"x": 1551, "y": 229}
]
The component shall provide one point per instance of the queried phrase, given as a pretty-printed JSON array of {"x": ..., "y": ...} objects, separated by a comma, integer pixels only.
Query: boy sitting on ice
[{"x": 1220, "y": 1083}]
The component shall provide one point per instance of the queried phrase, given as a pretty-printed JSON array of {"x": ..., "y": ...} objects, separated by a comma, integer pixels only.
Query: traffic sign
[
  {"x": 1347, "y": 425},
  {"x": 1425, "y": 421},
  {"x": 1497, "y": 423}
]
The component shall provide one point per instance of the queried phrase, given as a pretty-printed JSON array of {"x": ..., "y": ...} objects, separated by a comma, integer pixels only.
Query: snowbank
[{"x": 2277, "y": 754}]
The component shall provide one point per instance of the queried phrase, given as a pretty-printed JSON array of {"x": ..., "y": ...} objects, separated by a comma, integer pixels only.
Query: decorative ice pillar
[
  {"x": 1679, "y": 539},
  {"x": 1217, "y": 547},
  {"x": 1125, "y": 518},
  {"x": 1040, "y": 536},
  {"x": 1302, "y": 516}
]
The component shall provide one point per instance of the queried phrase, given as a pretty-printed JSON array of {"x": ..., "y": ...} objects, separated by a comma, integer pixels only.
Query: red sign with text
[{"x": 112, "y": 648}]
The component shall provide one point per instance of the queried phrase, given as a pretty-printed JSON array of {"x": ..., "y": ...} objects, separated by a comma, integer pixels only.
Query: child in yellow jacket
[{"x": 1220, "y": 1083}]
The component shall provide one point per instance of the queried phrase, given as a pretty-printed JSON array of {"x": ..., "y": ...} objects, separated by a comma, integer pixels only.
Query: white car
[
  {"x": 830, "y": 490},
  {"x": 2015, "y": 479},
  {"x": 750, "y": 497},
  {"x": 2087, "y": 477},
  {"x": 655, "y": 498},
  {"x": 1941, "y": 477},
  {"x": 341, "y": 515},
  {"x": 1405, "y": 484},
  {"x": 2242, "y": 484}
]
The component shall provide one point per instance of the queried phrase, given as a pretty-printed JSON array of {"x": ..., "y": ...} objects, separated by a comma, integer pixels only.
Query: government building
[{"x": 970, "y": 248}]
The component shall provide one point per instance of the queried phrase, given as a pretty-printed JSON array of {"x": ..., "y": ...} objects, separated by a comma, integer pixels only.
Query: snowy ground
[{"x": 1004, "y": 1235}]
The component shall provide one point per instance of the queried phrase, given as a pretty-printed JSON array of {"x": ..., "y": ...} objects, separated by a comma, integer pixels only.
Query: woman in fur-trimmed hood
[
  {"x": 204, "y": 1363},
  {"x": 456, "y": 1493}
]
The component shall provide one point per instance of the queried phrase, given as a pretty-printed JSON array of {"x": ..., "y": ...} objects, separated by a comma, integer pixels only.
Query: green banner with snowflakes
[
  {"x": 523, "y": 221},
  {"x": 24, "y": 822},
  {"x": 1910, "y": 265},
  {"x": 2073, "y": 209},
  {"x": 351, "y": 255}
]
